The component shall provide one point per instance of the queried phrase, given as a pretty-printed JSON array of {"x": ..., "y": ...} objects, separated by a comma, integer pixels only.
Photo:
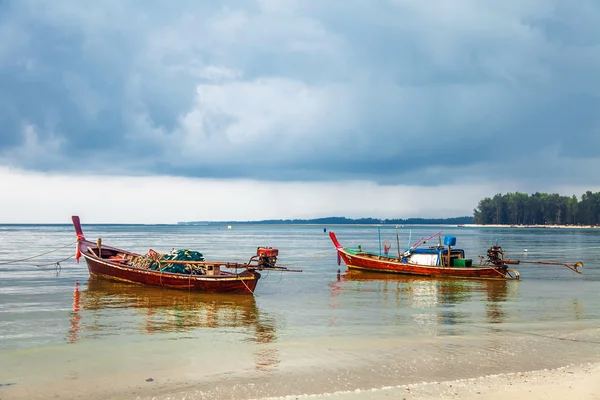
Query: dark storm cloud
[{"x": 303, "y": 90}]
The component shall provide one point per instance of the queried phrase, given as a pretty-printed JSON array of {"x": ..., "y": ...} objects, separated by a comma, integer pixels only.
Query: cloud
[
  {"x": 396, "y": 91},
  {"x": 34, "y": 197}
]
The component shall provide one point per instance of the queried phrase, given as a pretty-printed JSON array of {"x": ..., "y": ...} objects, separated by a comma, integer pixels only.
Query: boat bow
[{"x": 335, "y": 241}]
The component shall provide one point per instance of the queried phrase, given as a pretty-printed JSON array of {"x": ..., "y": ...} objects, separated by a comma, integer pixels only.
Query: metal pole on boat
[
  {"x": 99, "y": 246},
  {"x": 440, "y": 252},
  {"x": 398, "y": 241},
  {"x": 379, "y": 235}
]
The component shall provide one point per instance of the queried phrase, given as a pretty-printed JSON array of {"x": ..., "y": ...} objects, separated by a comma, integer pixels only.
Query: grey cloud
[{"x": 302, "y": 90}]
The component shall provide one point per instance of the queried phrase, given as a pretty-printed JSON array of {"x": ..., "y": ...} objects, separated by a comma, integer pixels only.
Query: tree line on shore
[{"x": 538, "y": 209}]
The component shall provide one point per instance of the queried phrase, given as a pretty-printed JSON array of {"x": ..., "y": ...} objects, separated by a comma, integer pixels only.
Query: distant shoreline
[
  {"x": 321, "y": 224},
  {"x": 388, "y": 225},
  {"x": 552, "y": 226},
  {"x": 342, "y": 221}
]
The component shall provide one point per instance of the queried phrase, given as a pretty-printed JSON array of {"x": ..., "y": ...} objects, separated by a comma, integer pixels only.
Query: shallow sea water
[{"x": 319, "y": 331}]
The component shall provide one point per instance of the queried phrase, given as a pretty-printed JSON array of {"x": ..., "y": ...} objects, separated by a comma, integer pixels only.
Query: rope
[
  {"x": 242, "y": 280},
  {"x": 506, "y": 275},
  {"x": 57, "y": 263},
  {"x": 49, "y": 263},
  {"x": 38, "y": 255}
]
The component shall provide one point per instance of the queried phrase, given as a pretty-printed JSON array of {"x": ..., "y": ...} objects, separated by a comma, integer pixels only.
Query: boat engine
[
  {"x": 267, "y": 256},
  {"x": 496, "y": 255}
]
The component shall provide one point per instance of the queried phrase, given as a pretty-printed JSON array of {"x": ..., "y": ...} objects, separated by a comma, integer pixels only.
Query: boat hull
[
  {"x": 374, "y": 263},
  {"x": 387, "y": 265},
  {"x": 244, "y": 282}
]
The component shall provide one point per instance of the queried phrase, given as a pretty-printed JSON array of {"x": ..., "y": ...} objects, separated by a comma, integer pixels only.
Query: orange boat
[
  {"x": 435, "y": 261},
  {"x": 199, "y": 276}
]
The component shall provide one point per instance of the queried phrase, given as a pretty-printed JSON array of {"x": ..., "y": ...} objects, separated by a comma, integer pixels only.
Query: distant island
[
  {"x": 344, "y": 220},
  {"x": 510, "y": 209}
]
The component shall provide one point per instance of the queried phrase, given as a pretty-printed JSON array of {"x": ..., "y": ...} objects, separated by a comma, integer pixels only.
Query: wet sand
[{"x": 572, "y": 382}]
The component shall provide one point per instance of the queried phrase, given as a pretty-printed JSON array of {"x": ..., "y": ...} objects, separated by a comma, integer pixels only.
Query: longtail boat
[
  {"x": 155, "y": 269},
  {"x": 436, "y": 261}
]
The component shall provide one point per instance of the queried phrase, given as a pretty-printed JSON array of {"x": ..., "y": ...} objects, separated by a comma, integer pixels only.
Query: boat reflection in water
[
  {"x": 439, "y": 294},
  {"x": 105, "y": 308}
]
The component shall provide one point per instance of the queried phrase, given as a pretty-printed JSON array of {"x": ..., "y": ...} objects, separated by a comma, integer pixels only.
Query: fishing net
[
  {"x": 159, "y": 262},
  {"x": 144, "y": 261},
  {"x": 386, "y": 247}
]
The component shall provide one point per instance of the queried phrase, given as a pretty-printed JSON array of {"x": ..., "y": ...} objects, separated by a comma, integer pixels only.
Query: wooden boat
[
  {"x": 436, "y": 261},
  {"x": 202, "y": 276}
]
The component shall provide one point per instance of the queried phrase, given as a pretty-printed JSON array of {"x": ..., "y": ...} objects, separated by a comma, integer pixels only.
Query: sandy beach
[{"x": 570, "y": 382}]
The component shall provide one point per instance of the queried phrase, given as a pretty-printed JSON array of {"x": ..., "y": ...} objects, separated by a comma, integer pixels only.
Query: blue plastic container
[{"x": 450, "y": 241}]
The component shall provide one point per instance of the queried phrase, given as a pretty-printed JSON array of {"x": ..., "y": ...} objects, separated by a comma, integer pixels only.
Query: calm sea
[{"x": 316, "y": 332}]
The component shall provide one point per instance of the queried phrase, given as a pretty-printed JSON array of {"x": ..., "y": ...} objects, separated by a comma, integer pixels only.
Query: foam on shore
[{"x": 580, "y": 382}]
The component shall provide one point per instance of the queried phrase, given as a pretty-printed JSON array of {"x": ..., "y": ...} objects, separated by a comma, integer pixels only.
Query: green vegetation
[{"x": 539, "y": 209}]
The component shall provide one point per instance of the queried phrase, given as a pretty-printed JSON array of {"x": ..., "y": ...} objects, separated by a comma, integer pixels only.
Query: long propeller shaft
[{"x": 572, "y": 266}]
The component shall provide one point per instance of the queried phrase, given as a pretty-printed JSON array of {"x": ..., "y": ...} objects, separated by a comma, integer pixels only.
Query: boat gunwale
[
  {"x": 425, "y": 275},
  {"x": 227, "y": 276},
  {"x": 397, "y": 262}
]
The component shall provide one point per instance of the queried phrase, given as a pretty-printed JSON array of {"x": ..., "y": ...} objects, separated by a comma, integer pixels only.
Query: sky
[{"x": 132, "y": 111}]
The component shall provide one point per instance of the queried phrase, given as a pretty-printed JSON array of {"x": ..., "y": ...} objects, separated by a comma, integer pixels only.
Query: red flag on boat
[{"x": 77, "y": 251}]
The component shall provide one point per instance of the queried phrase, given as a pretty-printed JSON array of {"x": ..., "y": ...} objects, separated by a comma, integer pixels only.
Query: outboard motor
[
  {"x": 496, "y": 255},
  {"x": 267, "y": 256}
]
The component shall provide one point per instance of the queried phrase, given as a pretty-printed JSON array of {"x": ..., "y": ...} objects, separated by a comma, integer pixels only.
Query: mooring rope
[
  {"x": 242, "y": 280},
  {"x": 55, "y": 263},
  {"x": 39, "y": 255}
]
